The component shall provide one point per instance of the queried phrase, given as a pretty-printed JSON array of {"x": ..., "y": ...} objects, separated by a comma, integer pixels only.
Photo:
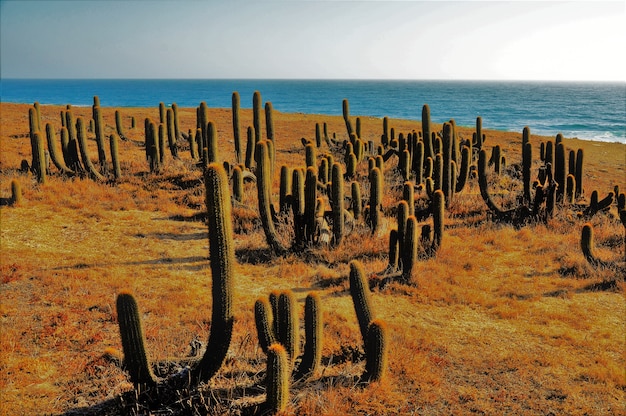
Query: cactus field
[{"x": 245, "y": 261}]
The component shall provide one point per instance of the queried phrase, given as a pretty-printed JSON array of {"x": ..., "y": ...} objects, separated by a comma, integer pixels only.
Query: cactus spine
[
  {"x": 133, "y": 343},
  {"x": 222, "y": 256}
]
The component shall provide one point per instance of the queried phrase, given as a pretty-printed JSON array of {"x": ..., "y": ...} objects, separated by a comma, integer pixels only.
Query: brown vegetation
[{"x": 501, "y": 320}]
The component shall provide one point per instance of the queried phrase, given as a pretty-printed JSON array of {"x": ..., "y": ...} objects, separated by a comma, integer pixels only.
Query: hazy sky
[{"x": 528, "y": 40}]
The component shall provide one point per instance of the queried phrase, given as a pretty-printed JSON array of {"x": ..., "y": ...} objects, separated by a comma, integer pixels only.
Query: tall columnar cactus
[
  {"x": 408, "y": 247},
  {"x": 560, "y": 168},
  {"x": 115, "y": 158},
  {"x": 202, "y": 123},
  {"x": 479, "y": 133},
  {"x": 99, "y": 130},
  {"x": 284, "y": 193},
  {"x": 222, "y": 257},
  {"x": 579, "y": 173},
  {"x": 162, "y": 110},
  {"x": 250, "y": 147},
  {"x": 277, "y": 379},
  {"x": 361, "y": 297},
  {"x": 288, "y": 325},
  {"x": 57, "y": 159},
  {"x": 446, "y": 184},
  {"x": 356, "y": 204},
  {"x": 238, "y": 184},
  {"x": 171, "y": 133},
  {"x": 310, "y": 202},
  {"x": 587, "y": 246},
  {"x": 264, "y": 189},
  {"x": 193, "y": 143},
  {"x": 376, "y": 351},
  {"x": 527, "y": 158},
  {"x": 212, "y": 152},
  {"x": 133, "y": 343},
  {"x": 161, "y": 133},
  {"x": 177, "y": 134},
  {"x": 417, "y": 162},
  {"x": 376, "y": 192},
  {"x": 385, "y": 136},
  {"x": 264, "y": 320},
  {"x": 438, "y": 219},
  {"x": 119, "y": 126},
  {"x": 426, "y": 132},
  {"x": 84, "y": 152},
  {"x": 313, "y": 328},
  {"x": 152, "y": 146},
  {"x": 310, "y": 155},
  {"x": 346, "y": 116},
  {"x": 257, "y": 107},
  {"x": 464, "y": 169},
  {"x": 236, "y": 105},
  {"x": 337, "y": 196}
]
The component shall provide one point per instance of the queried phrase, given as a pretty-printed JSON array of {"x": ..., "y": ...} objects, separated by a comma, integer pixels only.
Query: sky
[{"x": 300, "y": 39}]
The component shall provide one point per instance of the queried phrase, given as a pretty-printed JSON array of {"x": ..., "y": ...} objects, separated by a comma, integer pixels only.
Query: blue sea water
[{"x": 592, "y": 111}]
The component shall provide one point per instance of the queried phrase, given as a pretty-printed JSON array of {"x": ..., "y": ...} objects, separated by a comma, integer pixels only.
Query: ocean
[{"x": 591, "y": 111}]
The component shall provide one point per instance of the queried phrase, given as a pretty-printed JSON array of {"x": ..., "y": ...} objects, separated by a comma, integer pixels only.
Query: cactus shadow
[
  {"x": 254, "y": 256},
  {"x": 5, "y": 201},
  {"x": 176, "y": 237}
]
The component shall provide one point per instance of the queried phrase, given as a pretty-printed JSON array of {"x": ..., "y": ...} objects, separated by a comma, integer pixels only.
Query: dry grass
[{"x": 503, "y": 320}]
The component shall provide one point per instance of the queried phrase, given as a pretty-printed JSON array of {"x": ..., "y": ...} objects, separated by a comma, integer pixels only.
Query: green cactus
[
  {"x": 297, "y": 206},
  {"x": 84, "y": 153},
  {"x": 393, "y": 251},
  {"x": 161, "y": 133},
  {"x": 313, "y": 328},
  {"x": 277, "y": 379},
  {"x": 587, "y": 246},
  {"x": 570, "y": 189},
  {"x": 560, "y": 170},
  {"x": 318, "y": 135},
  {"x": 54, "y": 154},
  {"x": 264, "y": 320},
  {"x": 404, "y": 164},
  {"x": 376, "y": 351},
  {"x": 287, "y": 319},
  {"x": 438, "y": 219},
  {"x": 250, "y": 148},
  {"x": 171, "y": 133},
  {"x": 356, "y": 200},
  {"x": 418, "y": 162},
  {"x": 310, "y": 202},
  {"x": 426, "y": 132},
  {"x": 222, "y": 260},
  {"x": 115, "y": 158},
  {"x": 579, "y": 173},
  {"x": 376, "y": 192},
  {"x": 238, "y": 184},
  {"x": 152, "y": 147},
  {"x": 257, "y": 104},
  {"x": 323, "y": 175},
  {"x": 310, "y": 155},
  {"x": 99, "y": 130},
  {"x": 193, "y": 143},
  {"x": 361, "y": 297},
  {"x": 464, "y": 169},
  {"x": 237, "y": 127},
  {"x": 119, "y": 127},
  {"x": 337, "y": 196},
  {"x": 177, "y": 134},
  {"x": 385, "y": 136},
  {"x": 527, "y": 157},
  {"x": 409, "y": 247},
  {"x": 211, "y": 143},
  {"x": 285, "y": 189},
  {"x": 346, "y": 116},
  {"x": 162, "y": 116},
  {"x": 264, "y": 189},
  {"x": 133, "y": 342}
]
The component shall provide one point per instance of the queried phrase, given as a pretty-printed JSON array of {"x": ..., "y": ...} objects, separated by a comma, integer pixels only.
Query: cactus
[
  {"x": 337, "y": 196},
  {"x": 318, "y": 135},
  {"x": 356, "y": 200},
  {"x": 310, "y": 202},
  {"x": 426, "y": 132},
  {"x": 346, "y": 116},
  {"x": 162, "y": 116},
  {"x": 256, "y": 115},
  {"x": 135, "y": 357},
  {"x": 418, "y": 162},
  {"x": 177, "y": 134},
  {"x": 570, "y": 189},
  {"x": 211, "y": 144},
  {"x": 222, "y": 257},
  {"x": 115, "y": 158},
  {"x": 409, "y": 247},
  {"x": 16, "y": 192},
  {"x": 250, "y": 147},
  {"x": 479, "y": 133},
  {"x": 361, "y": 297},
  {"x": 560, "y": 170},
  {"x": 264, "y": 184},
  {"x": 287, "y": 332},
  {"x": 264, "y": 320},
  {"x": 202, "y": 123},
  {"x": 238, "y": 184},
  {"x": 587, "y": 246},
  {"x": 84, "y": 153},
  {"x": 376, "y": 351},
  {"x": 408, "y": 195},
  {"x": 152, "y": 146},
  {"x": 578, "y": 175},
  {"x": 161, "y": 133},
  {"x": 526, "y": 164},
  {"x": 277, "y": 379},
  {"x": 376, "y": 192},
  {"x": 464, "y": 169},
  {"x": 285, "y": 189},
  {"x": 119, "y": 126},
  {"x": 237, "y": 127},
  {"x": 193, "y": 143},
  {"x": 313, "y": 328},
  {"x": 171, "y": 134},
  {"x": 52, "y": 149},
  {"x": 99, "y": 130}
]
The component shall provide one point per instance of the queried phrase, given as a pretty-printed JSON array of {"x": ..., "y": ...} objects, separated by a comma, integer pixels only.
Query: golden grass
[{"x": 502, "y": 320}]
